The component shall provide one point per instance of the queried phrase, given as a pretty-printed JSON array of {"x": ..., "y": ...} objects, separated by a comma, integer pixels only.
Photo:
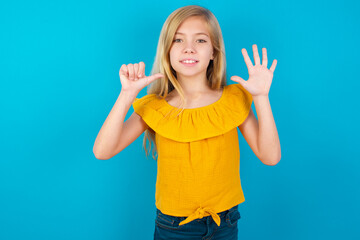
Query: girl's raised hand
[
  {"x": 260, "y": 77},
  {"x": 133, "y": 79}
]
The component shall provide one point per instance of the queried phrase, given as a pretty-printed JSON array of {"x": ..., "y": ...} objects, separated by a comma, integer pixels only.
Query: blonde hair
[{"x": 216, "y": 71}]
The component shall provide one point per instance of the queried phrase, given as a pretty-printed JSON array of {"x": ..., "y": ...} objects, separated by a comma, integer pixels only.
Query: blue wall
[{"x": 59, "y": 80}]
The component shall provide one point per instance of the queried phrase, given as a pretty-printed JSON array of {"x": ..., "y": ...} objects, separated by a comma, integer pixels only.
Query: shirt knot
[{"x": 200, "y": 212}]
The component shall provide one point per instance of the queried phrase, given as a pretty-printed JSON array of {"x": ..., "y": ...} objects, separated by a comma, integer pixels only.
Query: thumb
[
  {"x": 239, "y": 80},
  {"x": 152, "y": 78}
]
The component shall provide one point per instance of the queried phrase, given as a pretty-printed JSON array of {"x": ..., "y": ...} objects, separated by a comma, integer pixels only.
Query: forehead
[{"x": 193, "y": 25}]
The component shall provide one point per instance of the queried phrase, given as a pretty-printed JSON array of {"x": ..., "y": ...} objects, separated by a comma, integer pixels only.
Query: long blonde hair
[{"x": 216, "y": 71}]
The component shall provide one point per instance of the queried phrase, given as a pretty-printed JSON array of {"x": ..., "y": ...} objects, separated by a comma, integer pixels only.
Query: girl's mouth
[{"x": 189, "y": 63}]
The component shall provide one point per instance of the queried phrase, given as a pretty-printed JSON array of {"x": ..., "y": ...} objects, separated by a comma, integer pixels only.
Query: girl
[{"x": 191, "y": 116}]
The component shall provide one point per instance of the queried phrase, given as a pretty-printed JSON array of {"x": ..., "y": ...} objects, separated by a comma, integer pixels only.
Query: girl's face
[{"x": 191, "y": 41}]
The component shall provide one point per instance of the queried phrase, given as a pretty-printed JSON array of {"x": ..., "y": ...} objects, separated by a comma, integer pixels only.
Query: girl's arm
[
  {"x": 115, "y": 135},
  {"x": 265, "y": 142},
  {"x": 268, "y": 139},
  {"x": 109, "y": 136},
  {"x": 262, "y": 136}
]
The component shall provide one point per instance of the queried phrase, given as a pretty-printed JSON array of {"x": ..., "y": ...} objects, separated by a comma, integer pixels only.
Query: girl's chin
[{"x": 189, "y": 72}]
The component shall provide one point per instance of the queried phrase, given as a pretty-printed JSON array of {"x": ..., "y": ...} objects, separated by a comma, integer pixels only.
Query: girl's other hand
[
  {"x": 260, "y": 77},
  {"x": 133, "y": 79}
]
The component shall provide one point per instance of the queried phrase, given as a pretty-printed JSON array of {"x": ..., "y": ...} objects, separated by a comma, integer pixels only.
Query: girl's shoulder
[
  {"x": 195, "y": 123},
  {"x": 147, "y": 100}
]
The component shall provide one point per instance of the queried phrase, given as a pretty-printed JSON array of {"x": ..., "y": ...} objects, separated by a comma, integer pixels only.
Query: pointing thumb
[{"x": 152, "y": 78}]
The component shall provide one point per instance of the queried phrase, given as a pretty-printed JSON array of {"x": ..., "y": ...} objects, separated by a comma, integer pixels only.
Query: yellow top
[{"x": 198, "y": 164}]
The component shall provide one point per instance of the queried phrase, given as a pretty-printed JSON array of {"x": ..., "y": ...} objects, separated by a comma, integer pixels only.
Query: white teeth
[{"x": 189, "y": 61}]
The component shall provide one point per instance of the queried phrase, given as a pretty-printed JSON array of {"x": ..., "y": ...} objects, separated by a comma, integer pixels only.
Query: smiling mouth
[{"x": 189, "y": 63}]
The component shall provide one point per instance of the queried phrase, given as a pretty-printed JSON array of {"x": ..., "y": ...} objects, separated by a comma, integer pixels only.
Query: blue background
[{"x": 60, "y": 64}]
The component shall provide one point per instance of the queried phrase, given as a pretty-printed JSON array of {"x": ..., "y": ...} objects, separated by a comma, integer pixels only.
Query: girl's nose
[{"x": 189, "y": 49}]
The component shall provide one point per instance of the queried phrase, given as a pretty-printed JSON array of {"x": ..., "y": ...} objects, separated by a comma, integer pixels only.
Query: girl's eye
[{"x": 199, "y": 40}]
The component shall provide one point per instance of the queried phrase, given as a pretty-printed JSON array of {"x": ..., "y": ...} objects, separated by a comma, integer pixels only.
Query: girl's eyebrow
[{"x": 199, "y": 33}]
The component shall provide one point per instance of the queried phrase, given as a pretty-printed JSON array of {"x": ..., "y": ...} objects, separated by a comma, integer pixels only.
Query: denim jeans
[{"x": 167, "y": 227}]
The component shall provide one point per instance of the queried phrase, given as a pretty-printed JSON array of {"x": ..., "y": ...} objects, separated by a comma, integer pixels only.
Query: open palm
[{"x": 260, "y": 77}]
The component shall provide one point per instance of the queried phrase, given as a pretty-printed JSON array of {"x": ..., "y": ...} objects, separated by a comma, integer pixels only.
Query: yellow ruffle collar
[{"x": 195, "y": 123}]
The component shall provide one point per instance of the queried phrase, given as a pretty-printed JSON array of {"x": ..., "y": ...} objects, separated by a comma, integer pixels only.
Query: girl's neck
[{"x": 193, "y": 86}]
